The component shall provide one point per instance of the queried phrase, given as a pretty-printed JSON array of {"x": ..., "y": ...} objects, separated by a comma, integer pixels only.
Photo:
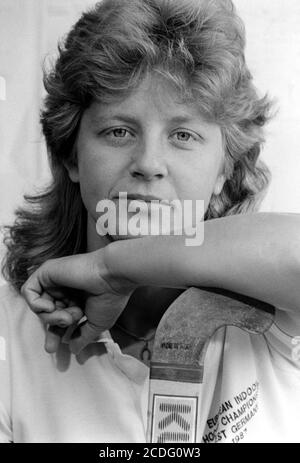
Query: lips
[{"x": 141, "y": 197}]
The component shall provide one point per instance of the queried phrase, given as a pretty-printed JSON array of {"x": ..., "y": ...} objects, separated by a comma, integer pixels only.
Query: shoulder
[
  {"x": 9, "y": 293},
  {"x": 11, "y": 299},
  {"x": 14, "y": 310}
]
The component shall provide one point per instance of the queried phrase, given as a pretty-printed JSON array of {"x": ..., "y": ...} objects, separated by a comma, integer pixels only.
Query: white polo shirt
[{"x": 251, "y": 388}]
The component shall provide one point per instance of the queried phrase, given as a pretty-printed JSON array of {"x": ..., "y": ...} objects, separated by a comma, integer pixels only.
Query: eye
[
  {"x": 117, "y": 136},
  {"x": 184, "y": 136},
  {"x": 118, "y": 132}
]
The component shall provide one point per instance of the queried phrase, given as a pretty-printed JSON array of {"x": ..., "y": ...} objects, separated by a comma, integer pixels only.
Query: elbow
[{"x": 290, "y": 274}]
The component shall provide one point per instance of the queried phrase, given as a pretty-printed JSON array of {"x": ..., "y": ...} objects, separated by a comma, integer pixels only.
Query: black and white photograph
[{"x": 149, "y": 223}]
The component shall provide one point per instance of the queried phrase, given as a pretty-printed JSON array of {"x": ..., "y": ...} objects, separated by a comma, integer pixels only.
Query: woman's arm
[{"x": 255, "y": 254}]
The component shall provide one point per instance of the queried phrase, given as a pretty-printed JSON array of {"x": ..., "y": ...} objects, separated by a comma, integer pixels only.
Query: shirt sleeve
[
  {"x": 5, "y": 395},
  {"x": 284, "y": 339}
]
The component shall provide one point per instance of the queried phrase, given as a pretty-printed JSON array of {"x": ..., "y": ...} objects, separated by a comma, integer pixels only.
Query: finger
[
  {"x": 75, "y": 312},
  {"x": 53, "y": 339},
  {"x": 33, "y": 294},
  {"x": 65, "y": 303},
  {"x": 61, "y": 318},
  {"x": 61, "y": 303},
  {"x": 38, "y": 300},
  {"x": 58, "y": 293},
  {"x": 101, "y": 312},
  {"x": 84, "y": 335},
  {"x": 59, "y": 298},
  {"x": 63, "y": 297}
]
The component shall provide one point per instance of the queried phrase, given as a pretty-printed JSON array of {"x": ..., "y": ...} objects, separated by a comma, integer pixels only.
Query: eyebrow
[
  {"x": 132, "y": 120},
  {"x": 119, "y": 117}
]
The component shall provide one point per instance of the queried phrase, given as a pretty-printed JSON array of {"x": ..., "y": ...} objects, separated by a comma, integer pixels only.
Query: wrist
[
  {"x": 113, "y": 266},
  {"x": 147, "y": 261}
]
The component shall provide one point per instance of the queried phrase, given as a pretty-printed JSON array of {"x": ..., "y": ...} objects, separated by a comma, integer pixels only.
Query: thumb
[
  {"x": 84, "y": 335},
  {"x": 102, "y": 312}
]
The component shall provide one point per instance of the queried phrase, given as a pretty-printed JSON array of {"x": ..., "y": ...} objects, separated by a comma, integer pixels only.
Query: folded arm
[{"x": 257, "y": 255}]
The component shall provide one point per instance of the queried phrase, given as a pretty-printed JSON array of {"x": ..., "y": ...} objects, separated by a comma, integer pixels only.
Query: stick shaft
[{"x": 173, "y": 411}]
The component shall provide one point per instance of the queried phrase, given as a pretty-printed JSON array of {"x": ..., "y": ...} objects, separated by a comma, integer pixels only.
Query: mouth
[{"x": 145, "y": 198}]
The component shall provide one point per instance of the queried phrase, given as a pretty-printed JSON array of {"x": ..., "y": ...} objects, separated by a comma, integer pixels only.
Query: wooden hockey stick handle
[{"x": 177, "y": 365}]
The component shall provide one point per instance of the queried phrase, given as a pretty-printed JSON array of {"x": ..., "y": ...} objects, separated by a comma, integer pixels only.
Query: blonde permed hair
[{"x": 198, "y": 45}]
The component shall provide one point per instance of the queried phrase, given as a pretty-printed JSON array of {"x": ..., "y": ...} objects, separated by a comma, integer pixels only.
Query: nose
[{"x": 149, "y": 162}]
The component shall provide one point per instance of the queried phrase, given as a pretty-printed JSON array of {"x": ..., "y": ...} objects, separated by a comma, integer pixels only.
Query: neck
[
  {"x": 135, "y": 328},
  {"x": 145, "y": 308}
]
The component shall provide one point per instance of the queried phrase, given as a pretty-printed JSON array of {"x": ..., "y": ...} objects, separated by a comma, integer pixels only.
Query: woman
[{"x": 154, "y": 99}]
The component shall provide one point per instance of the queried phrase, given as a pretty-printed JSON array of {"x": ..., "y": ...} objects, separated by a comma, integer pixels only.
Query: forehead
[{"x": 153, "y": 97}]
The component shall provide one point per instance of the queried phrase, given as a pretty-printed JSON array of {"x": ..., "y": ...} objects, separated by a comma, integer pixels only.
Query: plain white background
[{"x": 29, "y": 30}]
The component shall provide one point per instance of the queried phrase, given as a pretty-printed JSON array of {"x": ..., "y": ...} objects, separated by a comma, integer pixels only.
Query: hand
[{"x": 62, "y": 290}]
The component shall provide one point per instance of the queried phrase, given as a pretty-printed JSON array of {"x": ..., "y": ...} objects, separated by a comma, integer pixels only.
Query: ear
[
  {"x": 219, "y": 184},
  {"x": 73, "y": 171}
]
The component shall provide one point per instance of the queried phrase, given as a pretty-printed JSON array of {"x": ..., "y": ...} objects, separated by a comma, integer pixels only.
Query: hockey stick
[{"x": 177, "y": 365}]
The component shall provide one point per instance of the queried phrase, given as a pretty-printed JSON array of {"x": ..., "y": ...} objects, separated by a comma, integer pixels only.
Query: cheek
[
  {"x": 94, "y": 182},
  {"x": 204, "y": 193},
  {"x": 198, "y": 183},
  {"x": 98, "y": 175},
  {"x": 206, "y": 172}
]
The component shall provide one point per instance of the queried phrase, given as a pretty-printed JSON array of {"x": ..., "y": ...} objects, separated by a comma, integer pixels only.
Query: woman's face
[{"x": 147, "y": 144}]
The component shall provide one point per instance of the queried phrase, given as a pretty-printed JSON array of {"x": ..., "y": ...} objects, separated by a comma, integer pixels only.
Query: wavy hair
[{"x": 198, "y": 46}]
